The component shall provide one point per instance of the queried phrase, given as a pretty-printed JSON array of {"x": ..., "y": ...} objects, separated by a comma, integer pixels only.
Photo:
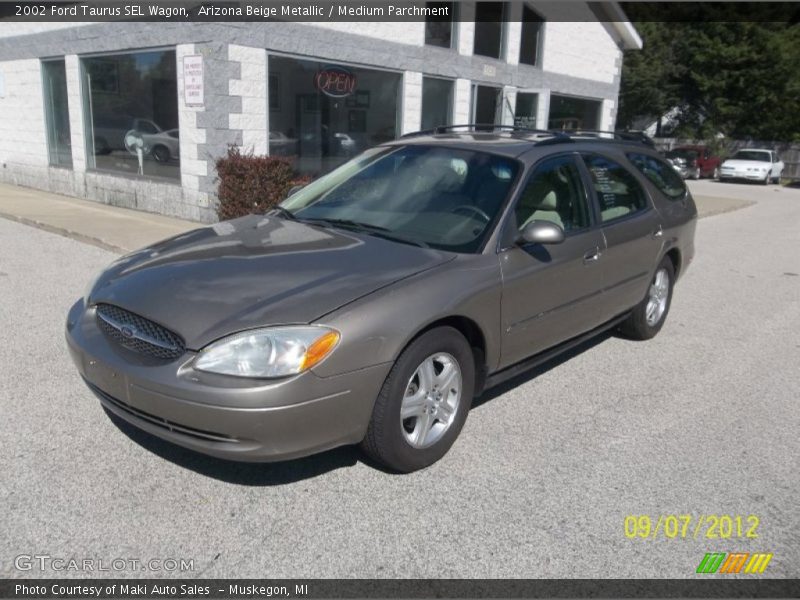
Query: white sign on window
[{"x": 193, "y": 80}]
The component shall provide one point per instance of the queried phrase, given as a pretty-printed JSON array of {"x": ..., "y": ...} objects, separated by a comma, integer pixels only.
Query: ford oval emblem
[{"x": 126, "y": 332}]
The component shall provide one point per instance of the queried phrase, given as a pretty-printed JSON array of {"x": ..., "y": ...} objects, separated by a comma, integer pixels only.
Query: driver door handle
[{"x": 591, "y": 256}]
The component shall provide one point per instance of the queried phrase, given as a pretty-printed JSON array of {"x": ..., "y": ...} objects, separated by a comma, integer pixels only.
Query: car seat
[{"x": 539, "y": 202}]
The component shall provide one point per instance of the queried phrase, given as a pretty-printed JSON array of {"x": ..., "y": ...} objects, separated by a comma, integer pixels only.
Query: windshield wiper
[
  {"x": 282, "y": 212},
  {"x": 346, "y": 223},
  {"x": 368, "y": 228}
]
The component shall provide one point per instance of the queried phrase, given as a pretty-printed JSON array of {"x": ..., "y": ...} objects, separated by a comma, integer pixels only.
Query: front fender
[{"x": 376, "y": 328}]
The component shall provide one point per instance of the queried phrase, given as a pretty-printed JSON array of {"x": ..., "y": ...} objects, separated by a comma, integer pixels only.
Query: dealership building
[{"x": 136, "y": 114}]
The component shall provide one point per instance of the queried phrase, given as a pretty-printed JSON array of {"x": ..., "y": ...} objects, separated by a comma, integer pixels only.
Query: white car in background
[{"x": 753, "y": 164}]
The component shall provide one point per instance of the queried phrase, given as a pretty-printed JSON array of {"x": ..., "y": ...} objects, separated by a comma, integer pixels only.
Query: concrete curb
[{"x": 66, "y": 233}]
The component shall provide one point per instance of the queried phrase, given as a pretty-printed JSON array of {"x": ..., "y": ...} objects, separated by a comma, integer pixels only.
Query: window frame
[
  {"x": 87, "y": 113},
  {"x": 48, "y": 118},
  {"x": 451, "y": 109},
  {"x": 401, "y": 108},
  {"x": 454, "y": 29},
  {"x": 539, "y": 38},
  {"x": 644, "y": 177},
  {"x": 503, "y": 49},
  {"x": 633, "y": 172},
  {"x": 510, "y": 228}
]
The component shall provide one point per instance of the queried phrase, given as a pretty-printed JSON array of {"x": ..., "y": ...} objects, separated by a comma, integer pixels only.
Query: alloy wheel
[
  {"x": 657, "y": 298},
  {"x": 431, "y": 400}
]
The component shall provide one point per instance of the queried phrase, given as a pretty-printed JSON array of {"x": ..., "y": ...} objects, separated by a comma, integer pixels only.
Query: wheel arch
[
  {"x": 674, "y": 255},
  {"x": 475, "y": 337}
]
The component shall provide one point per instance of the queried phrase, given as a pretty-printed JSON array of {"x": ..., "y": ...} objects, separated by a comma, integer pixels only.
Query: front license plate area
[{"x": 106, "y": 378}]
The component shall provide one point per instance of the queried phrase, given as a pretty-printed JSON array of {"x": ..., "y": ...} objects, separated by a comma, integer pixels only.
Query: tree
[
  {"x": 741, "y": 79},
  {"x": 650, "y": 77}
]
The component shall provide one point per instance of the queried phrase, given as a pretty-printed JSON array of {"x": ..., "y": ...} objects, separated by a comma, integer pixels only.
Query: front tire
[
  {"x": 646, "y": 320},
  {"x": 161, "y": 154},
  {"x": 423, "y": 403}
]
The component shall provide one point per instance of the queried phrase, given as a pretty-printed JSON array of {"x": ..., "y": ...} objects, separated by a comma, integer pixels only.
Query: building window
[
  {"x": 567, "y": 112},
  {"x": 132, "y": 113},
  {"x": 440, "y": 30},
  {"x": 531, "y": 30},
  {"x": 323, "y": 113},
  {"x": 486, "y": 104},
  {"x": 437, "y": 102},
  {"x": 490, "y": 28},
  {"x": 56, "y": 112},
  {"x": 525, "y": 111}
]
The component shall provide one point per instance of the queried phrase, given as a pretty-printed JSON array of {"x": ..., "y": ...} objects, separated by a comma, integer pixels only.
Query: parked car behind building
[
  {"x": 704, "y": 163},
  {"x": 753, "y": 164}
]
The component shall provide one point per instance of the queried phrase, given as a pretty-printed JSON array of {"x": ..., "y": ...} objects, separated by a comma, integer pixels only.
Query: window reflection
[
  {"x": 323, "y": 114},
  {"x": 56, "y": 107},
  {"x": 132, "y": 120}
]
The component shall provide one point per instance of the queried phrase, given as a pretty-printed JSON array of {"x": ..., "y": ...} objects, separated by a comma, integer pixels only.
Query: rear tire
[
  {"x": 646, "y": 320},
  {"x": 435, "y": 415}
]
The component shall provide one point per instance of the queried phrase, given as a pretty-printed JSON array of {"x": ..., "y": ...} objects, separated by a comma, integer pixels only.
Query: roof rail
[
  {"x": 623, "y": 135},
  {"x": 480, "y": 127},
  {"x": 550, "y": 136}
]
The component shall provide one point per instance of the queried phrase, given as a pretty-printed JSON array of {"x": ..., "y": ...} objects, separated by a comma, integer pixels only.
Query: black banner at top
[{"x": 380, "y": 10}]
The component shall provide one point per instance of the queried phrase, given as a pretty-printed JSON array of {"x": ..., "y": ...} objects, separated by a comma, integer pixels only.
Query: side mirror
[
  {"x": 294, "y": 189},
  {"x": 541, "y": 232}
]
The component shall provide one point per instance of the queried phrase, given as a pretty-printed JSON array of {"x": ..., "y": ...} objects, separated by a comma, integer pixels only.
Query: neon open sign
[{"x": 336, "y": 82}]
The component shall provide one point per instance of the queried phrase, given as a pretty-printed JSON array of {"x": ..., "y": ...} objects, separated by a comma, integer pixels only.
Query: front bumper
[
  {"x": 226, "y": 417},
  {"x": 743, "y": 175}
]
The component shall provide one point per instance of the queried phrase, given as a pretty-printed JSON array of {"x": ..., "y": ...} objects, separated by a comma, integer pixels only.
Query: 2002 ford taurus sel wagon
[{"x": 373, "y": 304}]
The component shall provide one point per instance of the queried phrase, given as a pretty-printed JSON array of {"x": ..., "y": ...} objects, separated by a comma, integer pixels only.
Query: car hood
[
  {"x": 252, "y": 272},
  {"x": 745, "y": 164}
]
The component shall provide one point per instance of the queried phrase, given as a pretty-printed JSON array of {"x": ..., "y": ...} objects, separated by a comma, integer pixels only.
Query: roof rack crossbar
[
  {"x": 482, "y": 127},
  {"x": 553, "y": 136}
]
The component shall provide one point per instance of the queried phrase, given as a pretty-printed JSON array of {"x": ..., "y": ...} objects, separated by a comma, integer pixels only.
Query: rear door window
[
  {"x": 618, "y": 192},
  {"x": 660, "y": 174}
]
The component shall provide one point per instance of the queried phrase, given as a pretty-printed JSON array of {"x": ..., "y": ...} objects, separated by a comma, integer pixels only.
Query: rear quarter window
[
  {"x": 618, "y": 192},
  {"x": 660, "y": 174}
]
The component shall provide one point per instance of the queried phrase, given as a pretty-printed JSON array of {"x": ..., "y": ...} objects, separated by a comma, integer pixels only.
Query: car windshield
[
  {"x": 752, "y": 155},
  {"x": 430, "y": 196}
]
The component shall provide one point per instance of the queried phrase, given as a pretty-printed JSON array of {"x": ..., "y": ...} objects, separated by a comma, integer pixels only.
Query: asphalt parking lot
[{"x": 702, "y": 420}]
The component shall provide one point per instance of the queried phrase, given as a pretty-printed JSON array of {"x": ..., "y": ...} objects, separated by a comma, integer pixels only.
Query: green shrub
[{"x": 251, "y": 184}]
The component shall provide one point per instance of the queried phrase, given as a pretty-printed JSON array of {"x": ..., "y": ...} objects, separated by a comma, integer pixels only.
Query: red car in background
[{"x": 699, "y": 161}]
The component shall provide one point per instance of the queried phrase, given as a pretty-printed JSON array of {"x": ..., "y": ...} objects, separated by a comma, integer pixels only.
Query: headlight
[{"x": 265, "y": 353}]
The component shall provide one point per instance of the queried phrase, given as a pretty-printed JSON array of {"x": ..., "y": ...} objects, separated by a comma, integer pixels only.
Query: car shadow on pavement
[
  {"x": 541, "y": 369},
  {"x": 242, "y": 473}
]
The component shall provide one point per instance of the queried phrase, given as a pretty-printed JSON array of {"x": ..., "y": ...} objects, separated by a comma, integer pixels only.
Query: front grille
[
  {"x": 201, "y": 434},
  {"x": 138, "y": 334}
]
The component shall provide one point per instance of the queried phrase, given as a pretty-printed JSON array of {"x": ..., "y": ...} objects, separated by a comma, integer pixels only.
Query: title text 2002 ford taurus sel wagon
[{"x": 372, "y": 305}]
